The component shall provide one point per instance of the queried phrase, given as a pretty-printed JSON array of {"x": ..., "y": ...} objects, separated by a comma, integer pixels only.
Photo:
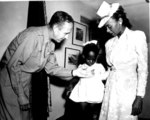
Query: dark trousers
[
  {"x": 39, "y": 96},
  {"x": 81, "y": 111}
]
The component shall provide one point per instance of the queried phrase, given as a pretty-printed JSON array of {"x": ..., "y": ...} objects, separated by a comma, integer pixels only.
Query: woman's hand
[{"x": 137, "y": 106}]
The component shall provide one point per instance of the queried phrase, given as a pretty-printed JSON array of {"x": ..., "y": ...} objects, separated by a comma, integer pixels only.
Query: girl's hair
[
  {"x": 120, "y": 13},
  {"x": 90, "y": 47},
  {"x": 86, "y": 49}
]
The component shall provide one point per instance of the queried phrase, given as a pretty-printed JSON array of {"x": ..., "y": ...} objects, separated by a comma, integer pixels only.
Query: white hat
[{"x": 106, "y": 11}]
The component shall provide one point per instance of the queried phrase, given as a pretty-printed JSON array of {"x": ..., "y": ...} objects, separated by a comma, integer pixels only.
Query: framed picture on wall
[
  {"x": 71, "y": 57},
  {"x": 79, "y": 34}
]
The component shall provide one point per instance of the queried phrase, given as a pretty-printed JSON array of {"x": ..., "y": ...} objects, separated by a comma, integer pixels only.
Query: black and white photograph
[
  {"x": 79, "y": 34},
  {"x": 71, "y": 58},
  {"x": 74, "y": 60}
]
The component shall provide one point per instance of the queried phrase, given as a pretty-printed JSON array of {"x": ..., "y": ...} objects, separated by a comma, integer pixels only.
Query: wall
[
  {"x": 13, "y": 19},
  {"x": 75, "y": 9},
  {"x": 139, "y": 16},
  {"x": 140, "y": 21}
]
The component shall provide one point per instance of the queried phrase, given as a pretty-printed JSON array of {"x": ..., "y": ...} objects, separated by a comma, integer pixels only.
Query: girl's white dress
[{"x": 90, "y": 89}]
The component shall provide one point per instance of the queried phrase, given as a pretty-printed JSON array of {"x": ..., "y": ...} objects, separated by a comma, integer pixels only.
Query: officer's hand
[
  {"x": 24, "y": 103},
  {"x": 82, "y": 71}
]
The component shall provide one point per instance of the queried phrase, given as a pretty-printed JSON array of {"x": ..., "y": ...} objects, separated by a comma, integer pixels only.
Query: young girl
[{"x": 88, "y": 92}]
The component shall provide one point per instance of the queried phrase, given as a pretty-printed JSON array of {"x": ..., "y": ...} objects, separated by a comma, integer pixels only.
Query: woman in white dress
[{"x": 127, "y": 54}]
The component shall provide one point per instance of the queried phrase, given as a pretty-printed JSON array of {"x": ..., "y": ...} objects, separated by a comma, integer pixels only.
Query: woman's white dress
[{"x": 127, "y": 57}]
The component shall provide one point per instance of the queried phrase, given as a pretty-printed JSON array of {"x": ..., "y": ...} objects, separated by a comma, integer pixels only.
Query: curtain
[{"x": 41, "y": 92}]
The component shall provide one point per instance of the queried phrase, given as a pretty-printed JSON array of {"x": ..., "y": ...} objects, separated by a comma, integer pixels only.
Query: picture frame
[
  {"x": 71, "y": 57},
  {"x": 79, "y": 34}
]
